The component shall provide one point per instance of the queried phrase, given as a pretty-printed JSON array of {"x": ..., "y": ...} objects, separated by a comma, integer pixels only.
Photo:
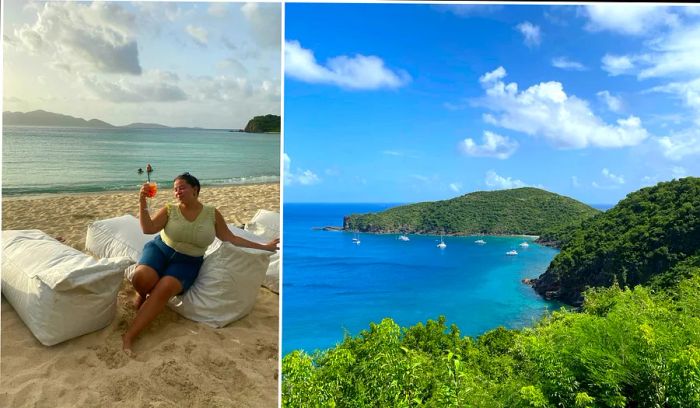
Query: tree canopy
[{"x": 524, "y": 210}]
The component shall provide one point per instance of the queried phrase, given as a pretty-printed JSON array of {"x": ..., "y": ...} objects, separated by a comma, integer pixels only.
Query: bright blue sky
[{"x": 407, "y": 103}]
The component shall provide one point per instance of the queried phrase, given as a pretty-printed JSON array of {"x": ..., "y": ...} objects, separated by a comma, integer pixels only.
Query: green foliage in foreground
[
  {"x": 626, "y": 348},
  {"x": 524, "y": 210},
  {"x": 262, "y": 124}
]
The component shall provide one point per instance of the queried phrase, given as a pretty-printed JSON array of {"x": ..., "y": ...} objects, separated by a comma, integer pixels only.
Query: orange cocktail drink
[{"x": 151, "y": 189}]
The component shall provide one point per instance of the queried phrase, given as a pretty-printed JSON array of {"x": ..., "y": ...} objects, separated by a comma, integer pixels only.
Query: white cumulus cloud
[
  {"x": 628, "y": 19},
  {"x": 303, "y": 177},
  {"x": 456, "y": 187},
  {"x": 613, "y": 177},
  {"x": 531, "y": 33},
  {"x": 198, "y": 34},
  {"x": 546, "y": 110},
  {"x": 497, "y": 182},
  {"x": 96, "y": 37},
  {"x": 358, "y": 72},
  {"x": 265, "y": 21},
  {"x": 613, "y": 103},
  {"x": 680, "y": 145},
  {"x": 617, "y": 64},
  {"x": 567, "y": 64},
  {"x": 493, "y": 145}
]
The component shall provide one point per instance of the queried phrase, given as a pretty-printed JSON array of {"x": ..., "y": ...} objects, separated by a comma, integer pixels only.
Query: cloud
[
  {"x": 546, "y": 110},
  {"x": 575, "y": 182},
  {"x": 96, "y": 36},
  {"x": 231, "y": 89},
  {"x": 617, "y": 64},
  {"x": 628, "y": 19},
  {"x": 358, "y": 72},
  {"x": 501, "y": 183},
  {"x": 302, "y": 177},
  {"x": 567, "y": 64},
  {"x": 612, "y": 177},
  {"x": 679, "y": 172},
  {"x": 468, "y": 10},
  {"x": 198, "y": 34},
  {"x": 531, "y": 33},
  {"x": 234, "y": 65},
  {"x": 680, "y": 145},
  {"x": 493, "y": 145},
  {"x": 152, "y": 87},
  {"x": 456, "y": 187},
  {"x": 688, "y": 92},
  {"x": 613, "y": 102},
  {"x": 265, "y": 22},
  {"x": 676, "y": 54},
  {"x": 218, "y": 9}
]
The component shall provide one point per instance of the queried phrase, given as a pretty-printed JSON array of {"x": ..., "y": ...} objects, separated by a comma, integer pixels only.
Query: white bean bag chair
[
  {"x": 227, "y": 285},
  {"x": 228, "y": 282},
  {"x": 58, "y": 292},
  {"x": 122, "y": 236},
  {"x": 119, "y": 236},
  {"x": 266, "y": 225}
]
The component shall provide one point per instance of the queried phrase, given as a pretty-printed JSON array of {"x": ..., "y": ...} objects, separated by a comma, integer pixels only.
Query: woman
[{"x": 170, "y": 262}]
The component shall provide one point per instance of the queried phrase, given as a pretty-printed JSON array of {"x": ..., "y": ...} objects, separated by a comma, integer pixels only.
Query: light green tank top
[{"x": 189, "y": 237}]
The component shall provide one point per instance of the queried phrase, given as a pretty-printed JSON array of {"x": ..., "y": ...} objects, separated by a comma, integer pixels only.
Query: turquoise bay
[
  {"x": 333, "y": 286},
  {"x": 51, "y": 159}
]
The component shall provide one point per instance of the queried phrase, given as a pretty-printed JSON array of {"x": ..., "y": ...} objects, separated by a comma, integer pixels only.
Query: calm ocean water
[
  {"x": 332, "y": 285},
  {"x": 48, "y": 159}
]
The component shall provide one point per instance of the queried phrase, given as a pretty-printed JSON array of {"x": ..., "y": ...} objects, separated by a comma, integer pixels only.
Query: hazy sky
[
  {"x": 406, "y": 103},
  {"x": 211, "y": 65}
]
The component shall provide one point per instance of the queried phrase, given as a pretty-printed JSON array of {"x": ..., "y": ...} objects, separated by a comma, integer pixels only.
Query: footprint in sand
[{"x": 113, "y": 357}]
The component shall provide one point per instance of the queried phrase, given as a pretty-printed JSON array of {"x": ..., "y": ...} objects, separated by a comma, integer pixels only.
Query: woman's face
[{"x": 183, "y": 191}]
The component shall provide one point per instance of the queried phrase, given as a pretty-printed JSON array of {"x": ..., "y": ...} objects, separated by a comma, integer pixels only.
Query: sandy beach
[{"x": 179, "y": 362}]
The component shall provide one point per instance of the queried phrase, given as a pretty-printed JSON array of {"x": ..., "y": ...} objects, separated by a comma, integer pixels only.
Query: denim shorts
[{"x": 167, "y": 262}]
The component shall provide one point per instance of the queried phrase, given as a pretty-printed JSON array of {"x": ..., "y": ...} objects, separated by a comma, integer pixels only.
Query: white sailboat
[
  {"x": 356, "y": 239},
  {"x": 480, "y": 242},
  {"x": 442, "y": 244},
  {"x": 524, "y": 244},
  {"x": 403, "y": 237},
  {"x": 512, "y": 252}
]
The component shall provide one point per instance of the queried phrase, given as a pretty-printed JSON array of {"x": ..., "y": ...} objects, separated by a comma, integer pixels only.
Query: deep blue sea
[
  {"x": 38, "y": 159},
  {"x": 331, "y": 285}
]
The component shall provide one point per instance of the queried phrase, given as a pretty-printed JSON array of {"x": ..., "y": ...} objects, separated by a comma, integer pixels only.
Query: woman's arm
[
  {"x": 225, "y": 234},
  {"x": 150, "y": 225}
]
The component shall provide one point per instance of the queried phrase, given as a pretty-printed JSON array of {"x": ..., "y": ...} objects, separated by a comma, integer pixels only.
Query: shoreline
[
  {"x": 135, "y": 190},
  {"x": 341, "y": 229}
]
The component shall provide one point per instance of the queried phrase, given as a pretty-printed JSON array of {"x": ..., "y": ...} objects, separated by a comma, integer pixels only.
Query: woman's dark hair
[{"x": 189, "y": 179}]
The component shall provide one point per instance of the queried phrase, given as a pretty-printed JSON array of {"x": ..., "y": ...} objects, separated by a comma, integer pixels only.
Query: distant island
[
  {"x": 264, "y": 124},
  {"x": 521, "y": 211},
  {"x": 44, "y": 118}
]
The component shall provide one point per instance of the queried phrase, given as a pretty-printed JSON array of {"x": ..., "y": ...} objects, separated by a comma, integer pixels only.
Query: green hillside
[
  {"x": 643, "y": 236},
  {"x": 262, "y": 124},
  {"x": 518, "y": 211}
]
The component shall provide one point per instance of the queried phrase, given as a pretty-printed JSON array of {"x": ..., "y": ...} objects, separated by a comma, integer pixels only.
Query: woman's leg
[
  {"x": 166, "y": 288},
  {"x": 144, "y": 280}
]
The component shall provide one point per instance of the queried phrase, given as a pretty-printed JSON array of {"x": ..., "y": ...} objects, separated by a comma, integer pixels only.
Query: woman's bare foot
[
  {"x": 126, "y": 347},
  {"x": 138, "y": 301}
]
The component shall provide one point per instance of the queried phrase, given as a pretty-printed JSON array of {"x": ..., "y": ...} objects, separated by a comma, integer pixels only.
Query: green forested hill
[
  {"x": 262, "y": 124},
  {"x": 644, "y": 235},
  {"x": 518, "y": 211}
]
